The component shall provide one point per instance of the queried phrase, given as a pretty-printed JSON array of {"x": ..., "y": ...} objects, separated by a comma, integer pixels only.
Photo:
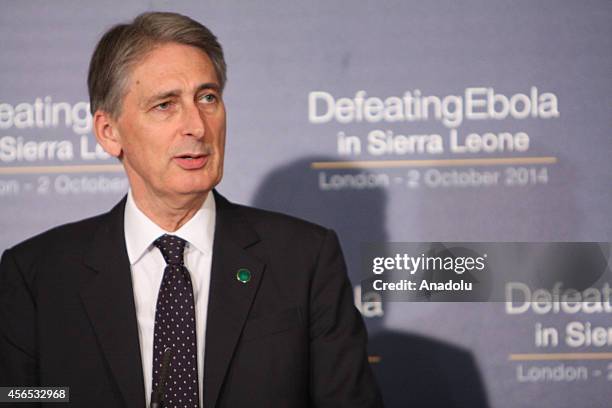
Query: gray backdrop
[{"x": 283, "y": 54}]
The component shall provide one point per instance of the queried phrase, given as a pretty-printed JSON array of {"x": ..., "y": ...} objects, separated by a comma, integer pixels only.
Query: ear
[{"x": 107, "y": 133}]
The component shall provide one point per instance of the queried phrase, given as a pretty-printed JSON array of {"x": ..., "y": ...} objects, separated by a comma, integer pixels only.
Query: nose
[{"x": 194, "y": 121}]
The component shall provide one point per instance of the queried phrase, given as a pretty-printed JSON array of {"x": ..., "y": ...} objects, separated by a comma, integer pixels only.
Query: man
[{"x": 176, "y": 295}]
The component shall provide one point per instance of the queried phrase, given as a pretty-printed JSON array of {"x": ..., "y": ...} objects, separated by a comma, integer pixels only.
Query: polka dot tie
[{"x": 175, "y": 328}]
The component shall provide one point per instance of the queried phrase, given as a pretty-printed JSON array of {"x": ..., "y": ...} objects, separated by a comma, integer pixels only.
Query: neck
[{"x": 170, "y": 214}]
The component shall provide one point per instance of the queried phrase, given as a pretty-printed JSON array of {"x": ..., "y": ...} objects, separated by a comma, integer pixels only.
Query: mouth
[{"x": 190, "y": 161}]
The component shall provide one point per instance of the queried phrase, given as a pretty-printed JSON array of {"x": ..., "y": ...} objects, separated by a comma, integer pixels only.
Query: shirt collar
[{"x": 140, "y": 231}]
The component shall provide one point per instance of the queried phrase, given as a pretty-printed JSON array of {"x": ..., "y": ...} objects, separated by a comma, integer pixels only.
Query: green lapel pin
[{"x": 243, "y": 275}]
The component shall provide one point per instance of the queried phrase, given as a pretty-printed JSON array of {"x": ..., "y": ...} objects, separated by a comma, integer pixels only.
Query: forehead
[{"x": 172, "y": 63}]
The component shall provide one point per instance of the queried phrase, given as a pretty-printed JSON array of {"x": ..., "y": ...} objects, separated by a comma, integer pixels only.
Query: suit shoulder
[
  {"x": 283, "y": 224},
  {"x": 61, "y": 238}
]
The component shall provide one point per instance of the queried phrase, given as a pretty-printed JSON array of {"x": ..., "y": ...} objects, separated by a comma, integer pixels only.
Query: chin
[
  {"x": 195, "y": 188},
  {"x": 199, "y": 182}
]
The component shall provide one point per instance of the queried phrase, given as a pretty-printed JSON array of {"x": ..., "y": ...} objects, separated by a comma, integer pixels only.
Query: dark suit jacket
[{"x": 290, "y": 337}]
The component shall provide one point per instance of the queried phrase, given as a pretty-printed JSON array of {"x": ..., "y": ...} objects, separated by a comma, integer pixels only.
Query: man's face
[{"x": 172, "y": 124}]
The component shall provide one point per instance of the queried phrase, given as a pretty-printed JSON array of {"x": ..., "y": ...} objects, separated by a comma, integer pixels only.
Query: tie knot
[{"x": 171, "y": 247}]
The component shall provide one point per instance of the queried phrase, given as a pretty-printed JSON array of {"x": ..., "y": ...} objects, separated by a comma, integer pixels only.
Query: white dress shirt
[{"x": 147, "y": 267}]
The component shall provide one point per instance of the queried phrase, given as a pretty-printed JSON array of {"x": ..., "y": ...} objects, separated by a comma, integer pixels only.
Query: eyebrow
[{"x": 177, "y": 92}]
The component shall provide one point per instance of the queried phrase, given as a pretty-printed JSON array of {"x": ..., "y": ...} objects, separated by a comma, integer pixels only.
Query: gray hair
[{"x": 125, "y": 44}]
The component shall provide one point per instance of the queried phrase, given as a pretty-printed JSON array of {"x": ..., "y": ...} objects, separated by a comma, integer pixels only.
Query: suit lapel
[
  {"x": 109, "y": 301},
  {"x": 229, "y": 299}
]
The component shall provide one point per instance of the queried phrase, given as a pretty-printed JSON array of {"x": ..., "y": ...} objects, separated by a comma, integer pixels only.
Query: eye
[
  {"x": 163, "y": 106},
  {"x": 208, "y": 98}
]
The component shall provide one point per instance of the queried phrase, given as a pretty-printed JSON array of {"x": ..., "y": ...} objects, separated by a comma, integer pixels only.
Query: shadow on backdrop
[
  {"x": 413, "y": 370},
  {"x": 356, "y": 215},
  {"x": 416, "y": 371}
]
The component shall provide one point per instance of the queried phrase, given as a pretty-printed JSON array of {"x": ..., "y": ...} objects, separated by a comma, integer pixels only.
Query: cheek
[
  {"x": 144, "y": 148},
  {"x": 221, "y": 138},
  {"x": 221, "y": 144}
]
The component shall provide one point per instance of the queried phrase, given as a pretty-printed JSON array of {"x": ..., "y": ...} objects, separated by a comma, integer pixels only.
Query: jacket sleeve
[
  {"x": 18, "y": 349},
  {"x": 340, "y": 372}
]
